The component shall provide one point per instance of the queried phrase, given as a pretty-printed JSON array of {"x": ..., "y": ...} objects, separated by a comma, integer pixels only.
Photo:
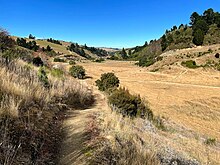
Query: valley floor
[{"x": 188, "y": 100}]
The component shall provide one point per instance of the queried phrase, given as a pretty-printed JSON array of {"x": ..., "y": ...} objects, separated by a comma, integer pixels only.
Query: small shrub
[
  {"x": 107, "y": 81},
  {"x": 217, "y": 55},
  {"x": 38, "y": 62},
  {"x": 58, "y": 60},
  {"x": 210, "y": 141},
  {"x": 130, "y": 105},
  {"x": 190, "y": 64},
  {"x": 42, "y": 75},
  {"x": 71, "y": 62},
  {"x": 77, "y": 72},
  {"x": 100, "y": 60},
  {"x": 57, "y": 72}
]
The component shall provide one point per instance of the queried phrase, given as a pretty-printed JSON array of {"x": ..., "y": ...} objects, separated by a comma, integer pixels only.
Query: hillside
[
  {"x": 180, "y": 37},
  {"x": 62, "y": 49}
]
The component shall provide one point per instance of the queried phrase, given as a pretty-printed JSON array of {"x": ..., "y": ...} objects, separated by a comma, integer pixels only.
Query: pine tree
[{"x": 124, "y": 54}]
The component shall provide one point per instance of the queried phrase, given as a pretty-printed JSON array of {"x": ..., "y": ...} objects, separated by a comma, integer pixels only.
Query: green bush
[
  {"x": 37, "y": 61},
  {"x": 57, "y": 73},
  {"x": 71, "y": 62},
  {"x": 145, "y": 62},
  {"x": 130, "y": 105},
  {"x": 42, "y": 75},
  {"x": 99, "y": 60},
  {"x": 58, "y": 60},
  {"x": 107, "y": 81},
  {"x": 77, "y": 72},
  {"x": 190, "y": 64},
  {"x": 210, "y": 141}
]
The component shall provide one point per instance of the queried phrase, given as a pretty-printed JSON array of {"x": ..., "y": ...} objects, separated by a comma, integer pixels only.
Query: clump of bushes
[
  {"x": 130, "y": 105},
  {"x": 38, "y": 62},
  {"x": 217, "y": 55},
  {"x": 77, "y": 72},
  {"x": 58, "y": 60},
  {"x": 190, "y": 64},
  {"x": 107, "y": 81},
  {"x": 145, "y": 62}
]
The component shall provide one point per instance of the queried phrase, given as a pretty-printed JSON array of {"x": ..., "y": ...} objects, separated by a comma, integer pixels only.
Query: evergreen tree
[
  {"x": 48, "y": 48},
  {"x": 164, "y": 43},
  {"x": 31, "y": 37},
  {"x": 209, "y": 16},
  {"x": 198, "y": 37},
  {"x": 194, "y": 17},
  {"x": 124, "y": 54}
]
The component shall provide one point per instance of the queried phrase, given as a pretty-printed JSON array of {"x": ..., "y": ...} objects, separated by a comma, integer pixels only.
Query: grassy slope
[{"x": 182, "y": 38}]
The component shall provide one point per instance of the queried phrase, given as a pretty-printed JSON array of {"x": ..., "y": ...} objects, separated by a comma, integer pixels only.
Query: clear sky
[{"x": 109, "y": 23}]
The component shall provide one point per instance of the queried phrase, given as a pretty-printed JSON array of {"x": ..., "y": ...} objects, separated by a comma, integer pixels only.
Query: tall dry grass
[
  {"x": 31, "y": 115},
  {"x": 118, "y": 142}
]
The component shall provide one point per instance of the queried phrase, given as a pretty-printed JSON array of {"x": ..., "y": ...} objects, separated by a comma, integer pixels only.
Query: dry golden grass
[
  {"x": 189, "y": 100},
  {"x": 31, "y": 115}
]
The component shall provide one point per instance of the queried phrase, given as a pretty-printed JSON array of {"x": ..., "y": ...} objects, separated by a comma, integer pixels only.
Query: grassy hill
[{"x": 178, "y": 38}]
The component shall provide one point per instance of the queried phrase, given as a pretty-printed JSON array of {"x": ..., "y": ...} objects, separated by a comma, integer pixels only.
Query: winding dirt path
[{"x": 74, "y": 127}]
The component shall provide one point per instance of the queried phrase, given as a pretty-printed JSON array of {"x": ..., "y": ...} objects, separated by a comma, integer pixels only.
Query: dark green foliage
[
  {"x": 15, "y": 53},
  {"x": 100, "y": 60},
  {"x": 38, "y": 62},
  {"x": 76, "y": 48},
  {"x": 54, "y": 41},
  {"x": 217, "y": 55},
  {"x": 5, "y": 41},
  {"x": 164, "y": 43},
  {"x": 202, "y": 25},
  {"x": 209, "y": 16},
  {"x": 42, "y": 75},
  {"x": 113, "y": 58},
  {"x": 129, "y": 105},
  {"x": 49, "y": 48},
  {"x": 210, "y": 141},
  {"x": 194, "y": 17},
  {"x": 58, "y": 60},
  {"x": 107, "y": 81},
  {"x": 97, "y": 51},
  {"x": 190, "y": 64},
  {"x": 77, "y": 72},
  {"x": 31, "y": 37},
  {"x": 124, "y": 54},
  {"x": 32, "y": 45},
  {"x": 198, "y": 37},
  {"x": 146, "y": 61}
]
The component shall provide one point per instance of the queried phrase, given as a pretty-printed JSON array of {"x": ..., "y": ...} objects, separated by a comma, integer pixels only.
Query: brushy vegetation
[
  {"x": 129, "y": 105},
  {"x": 190, "y": 64},
  {"x": 58, "y": 60},
  {"x": 31, "y": 116},
  {"x": 107, "y": 81},
  {"x": 99, "y": 60},
  {"x": 210, "y": 141},
  {"x": 54, "y": 41},
  {"x": 77, "y": 72},
  {"x": 37, "y": 61},
  {"x": 32, "y": 108},
  {"x": 71, "y": 62}
]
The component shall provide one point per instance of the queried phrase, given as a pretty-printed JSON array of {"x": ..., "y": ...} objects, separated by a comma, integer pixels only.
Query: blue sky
[{"x": 109, "y": 23}]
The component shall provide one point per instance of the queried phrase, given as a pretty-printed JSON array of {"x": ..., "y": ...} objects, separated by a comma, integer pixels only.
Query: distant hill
[
  {"x": 203, "y": 30},
  {"x": 62, "y": 48}
]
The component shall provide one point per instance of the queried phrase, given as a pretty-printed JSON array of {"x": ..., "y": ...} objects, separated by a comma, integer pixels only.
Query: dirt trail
[{"x": 74, "y": 127}]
